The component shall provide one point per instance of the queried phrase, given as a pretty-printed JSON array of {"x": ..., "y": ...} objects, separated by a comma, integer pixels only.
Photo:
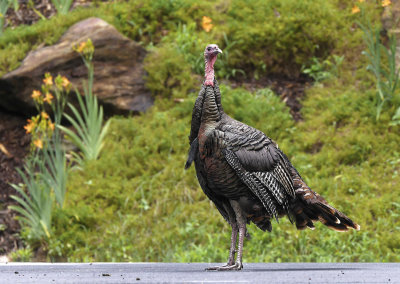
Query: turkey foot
[
  {"x": 232, "y": 250},
  {"x": 236, "y": 266},
  {"x": 240, "y": 226},
  {"x": 225, "y": 266}
]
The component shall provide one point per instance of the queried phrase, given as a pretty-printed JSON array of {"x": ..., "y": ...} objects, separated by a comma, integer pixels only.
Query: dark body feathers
[{"x": 235, "y": 161}]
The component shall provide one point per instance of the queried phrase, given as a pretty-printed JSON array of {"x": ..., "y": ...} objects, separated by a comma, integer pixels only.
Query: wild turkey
[{"x": 246, "y": 175}]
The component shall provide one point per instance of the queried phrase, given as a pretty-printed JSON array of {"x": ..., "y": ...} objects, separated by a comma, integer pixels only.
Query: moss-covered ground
[{"x": 137, "y": 203}]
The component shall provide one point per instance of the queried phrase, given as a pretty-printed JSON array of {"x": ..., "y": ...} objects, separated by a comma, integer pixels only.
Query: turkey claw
[{"x": 236, "y": 266}]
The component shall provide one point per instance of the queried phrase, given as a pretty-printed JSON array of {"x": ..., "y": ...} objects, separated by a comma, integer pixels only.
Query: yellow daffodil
[
  {"x": 29, "y": 127},
  {"x": 48, "y": 80},
  {"x": 36, "y": 94},
  {"x": 44, "y": 115},
  {"x": 65, "y": 82},
  {"x": 51, "y": 125},
  {"x": 206, "y": 24},
  {"x": 386, "y": 3},
  {"x": 81, "y": 47},
  {"x": 38, "y": 143},
  {"x": 86, "y": 49},
  {"x": 355, "y": 10},
  {"x": 48, "y": 98}
]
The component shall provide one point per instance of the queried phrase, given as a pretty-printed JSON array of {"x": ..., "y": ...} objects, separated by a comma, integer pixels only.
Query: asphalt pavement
[{"x": 195, "y": 273}]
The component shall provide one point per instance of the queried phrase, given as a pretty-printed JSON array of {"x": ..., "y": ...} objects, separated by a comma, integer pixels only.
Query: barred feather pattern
[
  {"x": 268, "y": 181},
  {"x": 253, "y": 184},
  {"x": 257, "y": 152},
  {"x": 284, "y": 178},
  {"x": 265, "y": 197},
  {"x": 275, "y": 188}
]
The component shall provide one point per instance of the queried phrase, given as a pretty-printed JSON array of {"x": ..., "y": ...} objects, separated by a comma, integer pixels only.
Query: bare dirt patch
[
  {"x": 290, "y": 90},
  {"x": 14, "y": 145},
  {"x": 30, "y": 12}
]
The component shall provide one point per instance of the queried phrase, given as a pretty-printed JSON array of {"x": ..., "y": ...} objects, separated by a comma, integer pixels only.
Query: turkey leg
[
  {"x": 241, "y": 223},
  {"x": 232, "y": 250}
]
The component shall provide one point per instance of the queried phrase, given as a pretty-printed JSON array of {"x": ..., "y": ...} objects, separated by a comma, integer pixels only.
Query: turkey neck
[
  {"x": 209, "y": 70},
  {"x": 212, "y": 109}
]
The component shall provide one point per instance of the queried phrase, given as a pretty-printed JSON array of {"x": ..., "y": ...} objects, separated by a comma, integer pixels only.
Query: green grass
[
  {"x": 139, "y": 191},
  {"x": 257, "y": 37},
  {"x": 137, "y": 203}
]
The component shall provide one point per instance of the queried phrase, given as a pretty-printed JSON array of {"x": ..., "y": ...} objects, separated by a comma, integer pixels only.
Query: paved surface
[{"x": 195, "y": 273}]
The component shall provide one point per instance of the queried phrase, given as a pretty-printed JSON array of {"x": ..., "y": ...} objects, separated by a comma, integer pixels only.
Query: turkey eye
[{"x": 208, "y": 48}]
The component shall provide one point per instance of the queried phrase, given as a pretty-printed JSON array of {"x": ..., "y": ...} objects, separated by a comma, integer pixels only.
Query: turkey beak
[{"x": 217, "y": 51}]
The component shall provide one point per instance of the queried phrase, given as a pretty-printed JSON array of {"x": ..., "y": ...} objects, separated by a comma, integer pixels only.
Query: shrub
[
  {"x": 172, "y": 78},
  {"x": 281, "y": 36}
]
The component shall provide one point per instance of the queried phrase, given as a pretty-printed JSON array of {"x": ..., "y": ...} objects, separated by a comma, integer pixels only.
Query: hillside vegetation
[{"x": 137, "y": 203}]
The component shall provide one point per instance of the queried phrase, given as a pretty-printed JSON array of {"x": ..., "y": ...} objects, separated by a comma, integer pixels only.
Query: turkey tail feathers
[
  {"x": 310, "y": 207},
  {"x": 263, "y": 223},
  {"x": 335, "y": 219}
]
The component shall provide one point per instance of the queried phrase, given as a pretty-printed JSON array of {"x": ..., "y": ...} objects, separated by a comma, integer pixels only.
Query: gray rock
[{"x": 118, "y": 70}]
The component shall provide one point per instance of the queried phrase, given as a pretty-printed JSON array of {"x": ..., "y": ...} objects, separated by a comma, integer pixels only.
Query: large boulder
[{"x": 118, "y": 70}]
